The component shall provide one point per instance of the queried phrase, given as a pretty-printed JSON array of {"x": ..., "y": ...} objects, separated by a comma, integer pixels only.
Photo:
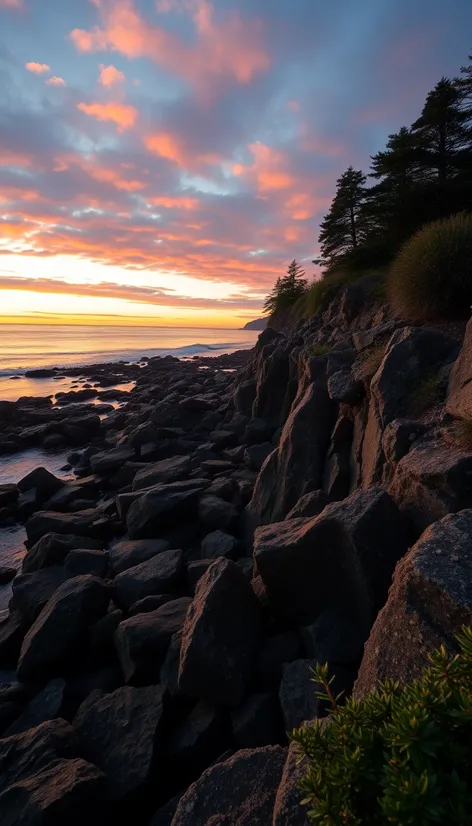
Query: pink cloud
[
  {"x": 174, "y": 148},
  {"x": 11, "y": 4},
  {"x": 38, "y": 68},
  {"x": 268, "y": 171},
  {"x": 56, "y": 81},
  {"x": 109, "y": 75},
  {"x": 124, "y": 116}
]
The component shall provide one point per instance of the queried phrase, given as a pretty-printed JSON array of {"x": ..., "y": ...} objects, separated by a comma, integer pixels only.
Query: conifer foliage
[
  {"x": 341, "y": 230},
  {"x": 287, "y": 289}
]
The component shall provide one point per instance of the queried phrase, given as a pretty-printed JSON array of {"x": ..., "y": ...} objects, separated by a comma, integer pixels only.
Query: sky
[{"x": 162, "y": 161}]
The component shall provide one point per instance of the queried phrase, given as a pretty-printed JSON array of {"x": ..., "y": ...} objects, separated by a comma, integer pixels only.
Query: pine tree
[
  {"x": 341, "y": 230},
  {"x": 287, "y": 289},
  {"x": 442, "y": 130},
  {"x": 464, "y": 86}
]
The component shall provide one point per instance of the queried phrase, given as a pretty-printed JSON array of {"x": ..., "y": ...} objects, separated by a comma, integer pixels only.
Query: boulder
[
  {"x": 218, "y": 653},
  {"x": 311, "y": 504},
  {"x": 6, "y": 574},
  {"x": 397, "y": 439},
  {"x": 167, "y": 470},
  {"x": 344, "y": 388},
  {"x": 257, "y": 722},
  {"x": 333, "y": 638},
  {"x": 258, "y": 431},
  {"x": 32, "y": 591},
  {"x": 142, "y": 641},
  {"x": 284, "y": 647},
  {"x": 195, "y": 571},
  {"x": 110, "y": 461},
  {"x": 432, "y": 480},
  {"x": 459, "y": 395},
  {"x": 219, "y": 543},
  {"x": 13, "y": 628},
  {"x": 53, "y": 548},
  {"x": 128, "y": 553},
  {"x": 255, "y": 455},
  {"x": 83, "y": 561},
  {"x": 148, "y": 604},
  {"x": 46, "y": 705},
  {"x": 199, "y": 738},
  {"x": 121, "y": 733},
  {"x": 169, "y": 673},
  {"x": 89, "y": 523},
  {"x": 8, "y": 494},
  {"x": 157, "y": 575},
  {"x": 429, "y": 602},
  {"x": 42, "y": 781},
  {"x": 240, "y": 790},
  {"x": 55, "y": 634},
  {"x": 297, "y": 694},
  {"x": 44, "y": 482},
  {"x": 163, "y": 506},
  {"x": 288, "y": 809},
  {"x": 216, "y": 514}
]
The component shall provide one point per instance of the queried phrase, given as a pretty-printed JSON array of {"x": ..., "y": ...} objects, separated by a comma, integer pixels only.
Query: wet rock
[
  {"x": 163, "y": 506},
  {"x": 219, "y": 543},
  {"x": 142, "y": 641},
  {"x": 8, "y": 495},
  {"x": 32, "y": 591},
  {"x": 218, "y": 654},
  {"x": 110, "y": 461},
  {"x": 168, "y": 470},
  {"x": 120, "y": 733},
  {"x": 89, "y": 523},
  {"x": 53, "y": 548},
  {"x": 429, "y": 602},
  {"x": 65, "y": 499},
  {"x": 157, "y": 575},
  {"x": 240, "y": 790},
  {"x": 44, "y": 483},
  {"x": 55, "y": 634}
]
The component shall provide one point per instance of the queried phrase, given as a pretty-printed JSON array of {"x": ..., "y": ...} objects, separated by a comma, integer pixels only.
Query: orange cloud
[
  {"x": 177, "y": 202},
  {"x": 112, "y": 177},
  {"x": 109, "y": 75},
  {"x": 9, "y": 158},
  {"x": 124, "y": 116},
  {"x": 38, "y": 68},
  {"x": 56, "y": 81},
  {"x": 172, "y": 147},
  {"x": 268, "y": 170}
]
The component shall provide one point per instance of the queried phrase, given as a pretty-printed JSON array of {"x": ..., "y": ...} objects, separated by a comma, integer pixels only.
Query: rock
[
  {"x": 216, "y": 514},
  {"x": 429, "y": 601},
  {"x": 168, "y": 470},
  {"x": 169, "y": 673},
  {"x": 55, "y": 634},
  {"x": 288, "y": 809},
  {"x": 197, "y": 569},
  {"x": 197, "y": 404},
  {"x": 44, "y": 482},
  {"x": 53, "y": 548},
  {"x": 46, "y": 705},
  {"x": 223, "y": 488},
  {"x": 43, "y": 781},
  {"x": 311, "y": 504},
  {"x": 165, "y": 815},
  {"x": 6, "y": 574},
  {"x": 83, "y": 561},
  {"x": 12, "y": 631},
  {"x": 66, "y": 498},
  {"x": 344, "y": 388},
  {"x": 219, "y": 543},
  {"x": 258, "y": 431},
  {"x": 255, "y": 455},
  {"x": 148, "y": 604},
  {"x": 215, "y": 466},
  {"x": 298, "y": 694},
  {"x": 120, "y": 733},
  {"x": 432, "y": 480},
  {"x": 142, "y": 641},
  {"x": 157, "y": 575},
  {"x": 284, "y": 647},
  {"x": 102, "y": 634},
  {"x": 199, "y": 738},
  {"x": 163, "y": 506},
  {"x": 459, "y": 395},
  {"x": 110, "y": 461},
  {"x": 239, "y": 791},
  {"x": 257, "y": 722},
  {"x": 89, "y": 523},
  {"x": 218, "y": 653},
  {"x": 128, "y": 553},
  {"x": 397, "y": 439},
  {"x": 8, "y": 495},
  {"x": 332, "y": 638},
  {"x": 32, "y": 591}
]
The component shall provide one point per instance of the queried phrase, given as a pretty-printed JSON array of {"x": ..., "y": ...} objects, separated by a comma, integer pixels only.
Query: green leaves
[{"x": 401, "y": 755}]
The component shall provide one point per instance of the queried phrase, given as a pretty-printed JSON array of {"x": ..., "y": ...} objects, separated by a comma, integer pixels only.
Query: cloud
[
  {"x": 123, "y": 115},
  {"x": 109, "y": 75},
  {"x": 11, "y": 4},
  {"x": 56, "y": 81},
  {"x": 38, "y": 68},
  {"x": 268, "y": 169}
]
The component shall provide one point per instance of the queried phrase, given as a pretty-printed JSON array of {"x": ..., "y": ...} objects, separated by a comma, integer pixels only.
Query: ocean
[{"x": 28, "y": 346}]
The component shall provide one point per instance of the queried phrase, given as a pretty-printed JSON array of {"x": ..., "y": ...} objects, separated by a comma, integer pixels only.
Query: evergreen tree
[
  {"x": 464, "y": 86},
  {"x": 442, "y": 131},
  {"x": 287, "y": 289},
  {"x": 341, "y": 231}
]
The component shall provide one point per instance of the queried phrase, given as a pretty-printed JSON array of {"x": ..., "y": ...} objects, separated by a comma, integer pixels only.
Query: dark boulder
[
  {"x": 165, "y": 471},
  {"x": 83, "y": 561},
  {"x": 148, "y": 604},
  {"x": 53, "y": 548},
  {"x": 32, "y": 591},
  {"x": 459, "y": 396},
  {"x": 288, "y": 809},
  {"x": 46, "y": 705},
  {"x": 218, "y": 543},
  {"x": 110, "y": 461},
  {"x": 44, "y": 482},
  {"x": 199, "y": 738},
  {"x": 255, "y": 455},
  {"x": 297, "y": 694},
  {"x": 157, "y": 575},
  {"x": 257, "y": 722},
  {"x": 12, "y": 631},
  {"x": 216, "y": 514},
  {"x": 344, "y": 388},
  {"x": 163, "y": 506},
  {"x": 89, "y": 523},
  {"x": 284, "y": 647},
  {"x": 311, "y": 504},
  {"x": 128, "y": 553},
  {"x": 6, "y": 574}
]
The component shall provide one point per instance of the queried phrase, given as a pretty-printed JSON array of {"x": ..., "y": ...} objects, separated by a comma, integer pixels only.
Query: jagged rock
[
  {"x": 216, "y": 514},
  {"x": 429, "y": 602},
  {"x": 284, "y": 647},
  {"x": 218, "y": 653},
  {"x": 297, "y": 694},
  {"x": 67, "y": 497},
  {"x": 165, "y": 815},
  {"x": 128, "y": 553},
  {"x": 337, "y": 475},
  {"x": 344, "y": 388},
  {"x": 255, "y": 455},
  {"x": 169, "y": 673},
  {"x": 197, "y": 404},
  {"x": 257, "y": 722},
  {"x": 110, "y": 461},
  {"x": 42, "y": 781},
  {"x": 219, "y": 543},
  {"x": 12, "y": 631},
  {"x": 150, "y": 603},
  {"x": 8, "y": 494},
  {"x": 83, "y": 561},
  {"x": 244, "y": 395},
  {"x": 32, "y": 591},
  {"x": 272, "y": 378},
  {"x": 6, "y": 574},
  {"x": 239, "y": 791},
  {"x": 199, "y": 738},
  {"x": 53, "y": 548},
  {"x": 432, "y": 480},
  {"x": 332, "y": 638},
  {"x": 311, "y": 504},
  {"x": 142, "y": 641},
  {"x": 46, "y": 705},
  {"x": 397, "y": 439},
  {"x": 163, "y": 506},
  {"x": 216, "y": 466},
  {"x": 288, "y": 809},
  {"x": 120, "y": 733},
  {"x": 44, "y": 482},
  {"x": 102, "y": 633},
  {"x": 258, "y": 431},
  {"x": 89, "y": 523},
  {"x": 165, "y": 471},
  {"x": 459, "y": 395},
  {"x": 195, "y": 571},
  {"x": 157, "y": 575},
  {"x": 75, "y": 605}
]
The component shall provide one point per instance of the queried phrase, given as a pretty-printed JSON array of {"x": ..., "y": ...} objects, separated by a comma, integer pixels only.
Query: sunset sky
[{"x": 165, "y": 159}]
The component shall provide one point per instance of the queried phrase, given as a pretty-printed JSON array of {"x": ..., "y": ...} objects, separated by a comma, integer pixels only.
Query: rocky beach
[{"x": 219, "y": 526}]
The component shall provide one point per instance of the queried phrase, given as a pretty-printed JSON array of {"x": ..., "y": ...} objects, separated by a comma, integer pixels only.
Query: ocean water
[{"x": 28, "y": 346}]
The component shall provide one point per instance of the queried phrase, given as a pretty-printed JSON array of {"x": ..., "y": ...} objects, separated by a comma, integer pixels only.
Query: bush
[
  {"x": 432, "y": 274},
  {"x": 401, "y": 755}
]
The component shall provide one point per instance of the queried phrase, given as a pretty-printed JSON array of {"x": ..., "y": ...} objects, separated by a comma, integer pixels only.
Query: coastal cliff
[{"x": 225, "y": 532}]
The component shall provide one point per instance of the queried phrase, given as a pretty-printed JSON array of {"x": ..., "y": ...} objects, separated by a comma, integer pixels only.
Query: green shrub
[
  {"x": 432, "y": 274},
  {"x": 401, "y": 755},
  {"x": 429, "y": 393}
]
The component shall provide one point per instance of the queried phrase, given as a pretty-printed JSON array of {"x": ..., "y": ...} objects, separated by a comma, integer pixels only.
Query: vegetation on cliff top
[{"x": 401, "y": 755}]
